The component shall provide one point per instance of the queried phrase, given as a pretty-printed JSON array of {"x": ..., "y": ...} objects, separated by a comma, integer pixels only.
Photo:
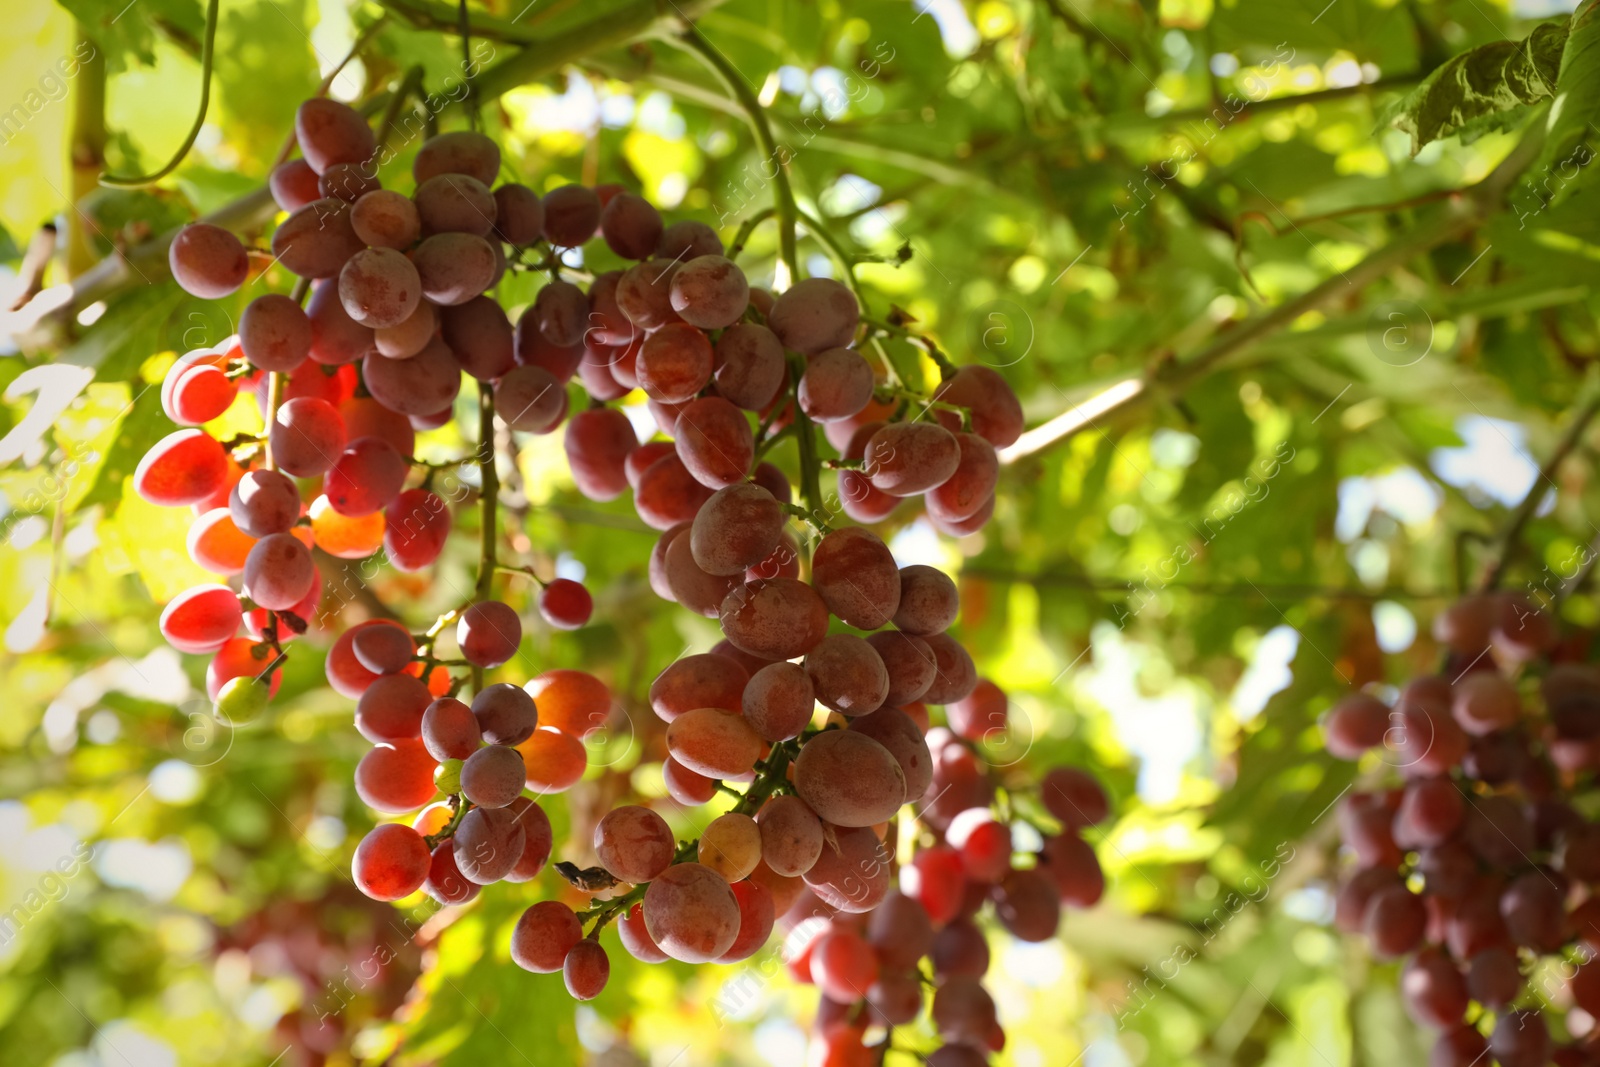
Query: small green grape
[
  {"x": 447, "y": 776},
  {"x": 240, "y": 701}
]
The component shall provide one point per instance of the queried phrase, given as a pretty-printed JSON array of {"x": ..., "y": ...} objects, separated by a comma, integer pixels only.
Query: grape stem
[
  {"x": 747, "y": 228},
  {"x": 783, "y": 195},
  {"x": 1511, "y": 540},
  {"x": 807, "y": 516},
  {"x": 786, "y": 211},
  {"x": 526, "y": 572},
  {"x": 895, "y": 329},
  {"x": 410, "y": 83},
  {"x": 448, "y": 830},
  {"x": 488, "y": 505},
  {"x": 207, "y": 54}
]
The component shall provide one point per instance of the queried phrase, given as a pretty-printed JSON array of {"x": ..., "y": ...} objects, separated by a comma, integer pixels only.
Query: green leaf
[
  {"x": 1577, "y": 96},
  {"x": 1485, "y": 89},
  {"x": 143, "y": 425},
  {"x": 130, "y": 331}
]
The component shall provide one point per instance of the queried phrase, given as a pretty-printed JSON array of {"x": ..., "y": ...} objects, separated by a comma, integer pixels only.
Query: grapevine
[{"x": 873, "y": 837}]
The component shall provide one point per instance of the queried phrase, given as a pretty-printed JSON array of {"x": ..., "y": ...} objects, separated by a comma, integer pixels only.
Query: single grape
[
  {"x": 241, "y": 701},
  {"x": 416, "y": 526},
  {"x": 480, "y": 336},
  {"x": 837, "y": 384},
  {"x": 791, "y": 835},
  {"x": 278, "y": 572},
  {"x": 909, "y": 663},
  {"x": 597, "y": 444},
  {"x": 631, "y": 226},
  {"x": 275, "y": 333},
  {"x": 668, "y": 494},
  {"x": 457, "y": 152},
  {"x": 199, "y": 393},
  {"x": 995, "y": 412},
  {"x": 644, "y": 294},
  {"x": 574, "y": 702},
  {"x": 395, "y": 777},
  {"x": 336, "y": 338},
  {"x": 686, "y": 786},
  {"x": 571, "y": 215},
  {"x": 691, "y": 913},
  {"x": 426, "y": 384},
  {"x": 675, "y": 363},
  {"x": 815, "y": 314},
  {"x": 493, "y": 776},
  {"x": 365, "y": 477},
  {"x": 1395, "y": 921},
  {"x": 317, "y": 240},
  {"x": 543, "y": 936},
  {"x": 896, "y": 731},
  {"x": 538, "y": 839},
  {"x": 329, "y": 132},
  {"x": 777, "y": 618},
  {"x": 699, "y": 681},
  {"x": 488, "y": 633},
  {"x": 519, "y": 214},
  {"x": 1069, "y": 861},
  {"x": 966, "y": 492},
  {"x": 450, "y": 730},
  {"x": 264, "y": 502},
  {"x": 634, "y": 843},
  {"x": 714, "y": 441},
  {"x": 1485, "y": 701},
  {"x": 955, "y": 676},
  {"x": 505, "y": 713},
  {"x": 928, "y": 601},
  {"x": 731, "y": 845},
  {"x": 749, "y": 365},
  {"x": 556, "y": 760},
  {"x": 779, "y": 701},
  {"x": 392, "y": 707},
  {"x": 1026, "y": 904},
  {"x": 849, "y": 779},
  {"x": 710, "y": 292},
  {"x": 565, "y": 604},
  {"x": 455, "y": 267},
  {"x": 391, "y": 862},
  {"x": 907, "y": 458},
  {"x": 586, "y": 970},
  {"x": 489, "y": 843},
  {"x": 713, "y": 742},
  {"x": 293, "y": 184},
  {"x": 846, "y": 675},
  {"x": 856, "y": 576},
  {"x": 852, "y": 874},
  {"x": 208, "y": 261},
  {"x": 383, "y": 218},
  {"x": 455, "y": 203},
  {"x": 184, "y": 467}
]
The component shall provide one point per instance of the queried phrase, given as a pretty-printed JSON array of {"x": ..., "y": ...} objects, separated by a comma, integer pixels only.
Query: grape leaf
[{"x": 1485, "y": 89}]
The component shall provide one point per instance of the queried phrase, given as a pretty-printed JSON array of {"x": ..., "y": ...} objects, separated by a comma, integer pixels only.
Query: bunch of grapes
[
  {"x": 1479, "y": 870},
  {"x": 398, "y": 310}
]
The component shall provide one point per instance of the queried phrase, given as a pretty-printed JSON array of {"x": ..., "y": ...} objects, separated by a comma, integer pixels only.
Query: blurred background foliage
[{"x": 1080, "y": 193}]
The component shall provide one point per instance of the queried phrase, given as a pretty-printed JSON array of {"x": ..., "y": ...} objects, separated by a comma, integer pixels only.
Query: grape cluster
[
  {"x": 398, "y": 311},
  {"x": 1484, "y": 861}
]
